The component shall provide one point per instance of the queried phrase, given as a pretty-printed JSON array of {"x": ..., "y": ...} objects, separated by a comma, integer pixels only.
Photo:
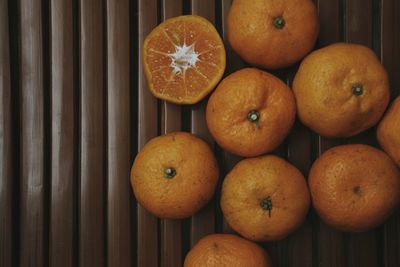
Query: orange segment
[{"x": 183, "y": 59}]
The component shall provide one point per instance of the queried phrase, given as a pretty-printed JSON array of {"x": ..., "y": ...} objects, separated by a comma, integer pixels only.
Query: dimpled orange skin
[
  {"x": 238, "y": 94},
  {"x": 252, "y": 34},
  {"x": 389, "y": 131},
  {"x": 193, "y": 185},
  {"x": 255, "y": 179},
  {"x": 354, "y": 188},
  {"x": 224, "y": 250},
  {"x": 324, "y": 93}
]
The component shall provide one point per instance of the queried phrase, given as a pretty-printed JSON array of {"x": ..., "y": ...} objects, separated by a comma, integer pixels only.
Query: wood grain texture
[
  {"x": 6, "y": 178},
  {"x": 390, "y": 57},
  {"x": 32, "y": 191},
  {"x": 118, "y": 135},
  {"x": 147, "y": 224},
  {"x": 62, "y": 205},
  {"x": 92, "y": 141},
  {"x": 358, "y": 23},
  {"x": 203, "y": 222},
  {"x": 171, "y": 230}
]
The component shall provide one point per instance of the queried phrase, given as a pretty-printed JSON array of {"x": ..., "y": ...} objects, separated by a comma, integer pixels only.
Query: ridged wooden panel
[{"x": 75, "y": 109}]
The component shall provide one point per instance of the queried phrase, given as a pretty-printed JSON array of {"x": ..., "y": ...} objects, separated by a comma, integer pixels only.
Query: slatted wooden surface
[{"x": 75, "y": 109}]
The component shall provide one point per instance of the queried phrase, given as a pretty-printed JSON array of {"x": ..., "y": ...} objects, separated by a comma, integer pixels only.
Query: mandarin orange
[
  {"x": 265, "y": 198},
  {"x": 341, "y": 90},
  {"x": 251, "y": 112},
  {"x": 174, "y": 175},
  {"x": 183, "y": 59},
  {"x": 224, "y": 250},
  {"x": 354, "y": 187}
]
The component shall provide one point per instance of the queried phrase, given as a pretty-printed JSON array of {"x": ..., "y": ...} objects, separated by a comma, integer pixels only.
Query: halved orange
[{"x": 183, "y": 59}]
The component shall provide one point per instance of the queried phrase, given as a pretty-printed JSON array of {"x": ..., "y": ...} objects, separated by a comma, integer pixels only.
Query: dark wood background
[{"x": 75, "y": 110}]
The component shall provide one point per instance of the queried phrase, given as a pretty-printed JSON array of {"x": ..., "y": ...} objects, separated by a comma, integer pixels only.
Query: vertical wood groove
[
  {"x": 118, "y": 227},
  {"x": 62, "y": 136},
  {"x": 92, "y": 178},
  {"x": 147, "y": 224},
  {"x": 32, "y": 232},
  {"x": 6, "y": 184}
]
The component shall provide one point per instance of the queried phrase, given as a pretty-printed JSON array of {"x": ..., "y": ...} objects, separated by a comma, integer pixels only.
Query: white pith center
[{"x": 183, "y": 58}]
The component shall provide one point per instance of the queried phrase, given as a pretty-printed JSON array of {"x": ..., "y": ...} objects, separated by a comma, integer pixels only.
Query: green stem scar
[
  {"x": 357, "y": 89},
  {"x": 169, "y": 173},
  {"x": 254, "y": 116},
  {"x": 266, "y": 204},
  {"x": 279, "y": 22}
]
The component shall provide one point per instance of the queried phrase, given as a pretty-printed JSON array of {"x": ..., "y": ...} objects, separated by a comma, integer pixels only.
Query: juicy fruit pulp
[{"x": 184, "y": 58}]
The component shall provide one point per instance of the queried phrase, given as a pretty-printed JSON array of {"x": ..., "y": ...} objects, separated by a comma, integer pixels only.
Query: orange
[
  {"x": 264, "y": 198},
  {"x": 341, "y": 90},
  {"x": 274, "y": 33},
  {"x": 183, "y": 59},
  {"x": 389, "y": 131},
  {"x": 174, "y": 175},
  {"x": 223, "y": 250},
  {"x": 251, "y": 112},
  {"x": 354, "y": 187}
]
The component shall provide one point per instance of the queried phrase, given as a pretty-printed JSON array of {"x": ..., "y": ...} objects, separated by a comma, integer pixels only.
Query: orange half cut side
[{"x": 183, "y": 59}]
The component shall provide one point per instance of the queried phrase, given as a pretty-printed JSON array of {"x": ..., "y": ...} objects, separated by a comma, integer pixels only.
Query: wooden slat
[
  {"x": 147, "y": 224},
  {"x": 92, "y": 178},
  {"x": 330, "y": 246},
  {"x": 171, "y": 230},
  {"x": 390, "y": 42},
  {"x": 358, "y": 26},
  {"x": 362, "y": 248},
  {"x": 119, "y": 135},
  {"x": 203, "y": 222},
  {"x": 62, "y": 206},
  {"x": 32, "y": 243},
  {"x": 6, "y": 184},
  {"x": 390, "y": 56}
]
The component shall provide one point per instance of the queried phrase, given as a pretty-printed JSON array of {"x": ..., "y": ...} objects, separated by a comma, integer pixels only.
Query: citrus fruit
[
  {"x": 183, "y": 59},
  {"x": 354, "y": 187},
  {"x": 224, "y": 250},
  {"x": 264, "y": 198},
  {"x": 251, "y": 112},
  {"x": 341, "y": 90},
  {"x": 274, "y": 33},
  {"x": 174, "y": 175},
  {"x": 389, "y": 131}
]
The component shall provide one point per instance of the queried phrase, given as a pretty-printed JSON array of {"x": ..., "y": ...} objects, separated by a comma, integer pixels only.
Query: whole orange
[
  {"x": 183, "y": 59},
  {"x": 224, "y": 250},
  {"x": 389, "y": 131},
  {"x": 174, "y": 175},
  {"x": 265, "y": 198},
  {"x": 354, "y": 187},
  {"x": 251, "y": 112},
  {"x": 274, "y": 33},
  {"x": 341, "y": 90}
]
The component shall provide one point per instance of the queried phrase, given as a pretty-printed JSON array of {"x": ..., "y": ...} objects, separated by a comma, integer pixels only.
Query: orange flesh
[{"x": 184, "y": 59}]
